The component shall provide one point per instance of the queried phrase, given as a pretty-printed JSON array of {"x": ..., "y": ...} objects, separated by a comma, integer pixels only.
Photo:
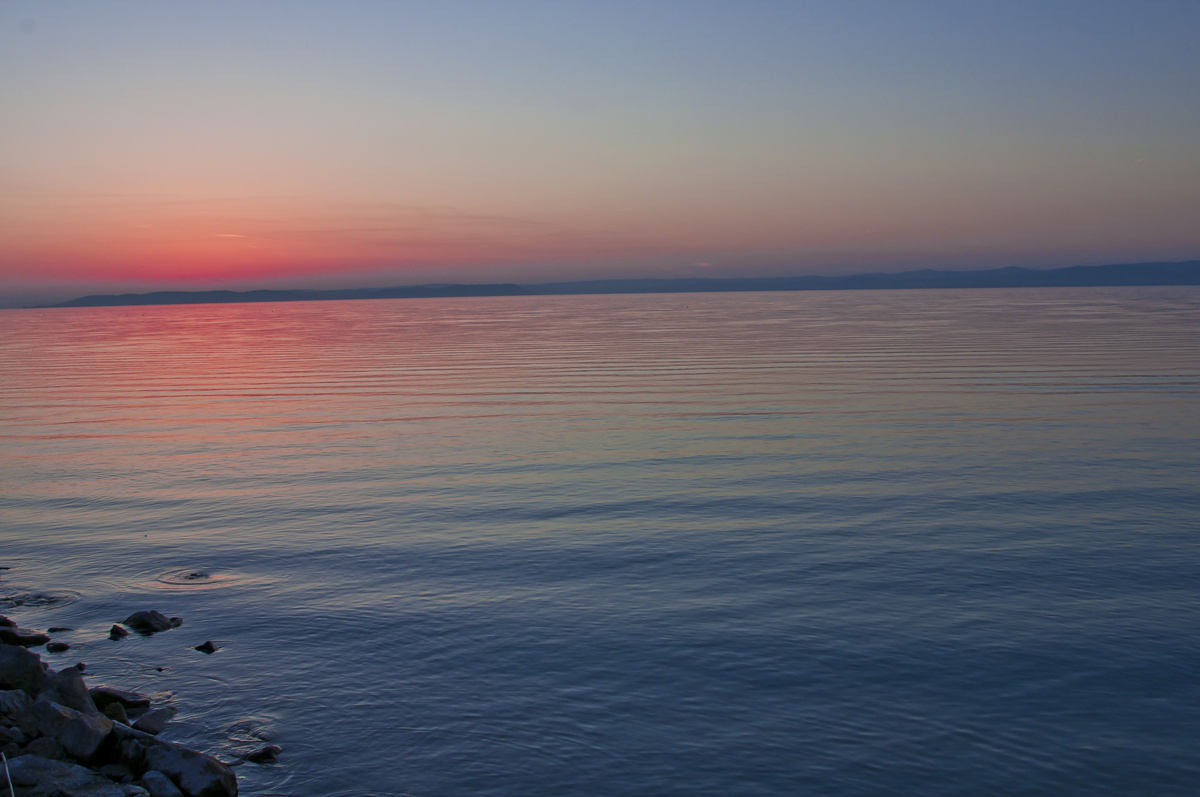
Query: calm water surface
[{"x": 859, "y": 543}]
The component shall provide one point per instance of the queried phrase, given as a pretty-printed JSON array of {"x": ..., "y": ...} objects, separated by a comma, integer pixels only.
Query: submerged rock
[
  {"x": 58, "y": 629},
  {"x": 117, "y": 632},
  {"x": 265, "y": 755},
  {"x": 207, "y": 647},
  {"x": 149, "y": 622},
  {"x": 57, "y": 647}
]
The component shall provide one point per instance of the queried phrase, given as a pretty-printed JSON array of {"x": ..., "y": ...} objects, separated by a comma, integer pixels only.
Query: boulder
[
  {"x": 196, "y": 774},
  {"x": 207, "y": 647},
  {"x": 148, "y": 622},
  {"x": 57, "y": 647},
  {"x": 36, "y": 771},
  {"x": 60, "y": 779},
  {"x": 117, "y": 632},
  {"x": 13, "y": 734},
  {"x": 153, "y": 722},
  {"x": 116, "y": 713},
  {"x": 66, "y": 687},
  {"x": 46, "y": 747},
  {"x": 104, "y": 695},
  {"x": 21, "y": 669},
  {"x": 5, "y": 622},
  {"x": 159, "y": 785},
  {"x": 10, "y": 635},
  {"x": 17, "y": 706},
  {"x": 81, "y": 735}
]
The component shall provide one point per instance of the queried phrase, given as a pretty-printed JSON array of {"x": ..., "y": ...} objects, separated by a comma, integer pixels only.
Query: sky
[{"x": 151, "y": 145}]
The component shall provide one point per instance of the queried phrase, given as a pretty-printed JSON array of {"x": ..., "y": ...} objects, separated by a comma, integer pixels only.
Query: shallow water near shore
[{"x": 851, "y": 543}]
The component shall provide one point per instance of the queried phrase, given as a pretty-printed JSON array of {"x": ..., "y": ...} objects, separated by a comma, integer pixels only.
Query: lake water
[{"x": 851, "y": 543}]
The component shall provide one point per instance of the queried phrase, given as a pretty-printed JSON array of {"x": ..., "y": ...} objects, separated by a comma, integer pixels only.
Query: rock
[
  {"x": 66, "y": 687},
  {"x": 17, "y": 706},
  {"x": 150, "y": 622},
  {"x": 46, "y": 747},
  {"x": 79, "y": 665},
  {"x": 104, "y": 695},
  {"x": 57, "y": 647},
  {"x": 12, "y": 735},
  {"x": 118, "y": 772},
  {"x": 196, "y": 774},
  {"x": 207, "y": 647},
  {"x": 159, "y": 785},
  {"x": 21, "y": 669},
  {"x": 13, "y": 702},
  {"x": 34, "y": 770},
  {"x": 117, "y": 632},
  {"x": 265, "y": 755},
  {"x": 116, "y": 713},
  {"x": 60, "y": 779},
  {"x": 58, "y": 629},
  {"x": 81, "y": 735},
  {"x": 4, "y": 621},
  {"x": 21, "y": 636},
  {"x": 175, "y": 621},
  {"x": 153, "y": 722}
]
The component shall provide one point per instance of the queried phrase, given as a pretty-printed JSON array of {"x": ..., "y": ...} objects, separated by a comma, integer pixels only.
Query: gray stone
[
  {"x": 104, "y": 695},
  {"x": 46, "y": 747},
  {"x": 159, "y": 785},
  {"x": 196, "y": 774},
  {"x": 17, "y": 706},
  {"x": 13, "y": 702},
  {"x": 154, "y": 722},
  {"x": 148, "y": 622},
  {"x": 21, "y": 669},
  {"x": 36, "y": 771},
  {"x": 46, "y": 778},
  {"x": 116, "y": 713},
  {"x": 66, "y": 687},
  {"x": 118, "y": 772},
  {"x": 12, "y": 735},
  {"x": 81, "y": 735},
  {"x": 21, "y": 636}
]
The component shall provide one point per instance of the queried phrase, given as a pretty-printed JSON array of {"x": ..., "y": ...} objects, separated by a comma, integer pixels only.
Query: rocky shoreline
[{"x": 60, "y": 738}]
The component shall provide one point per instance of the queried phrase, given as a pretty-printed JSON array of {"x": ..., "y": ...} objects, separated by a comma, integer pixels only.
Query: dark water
[{"x": 862, "y": 543}]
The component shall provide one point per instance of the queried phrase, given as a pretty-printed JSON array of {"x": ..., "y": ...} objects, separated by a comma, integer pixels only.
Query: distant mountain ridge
[{"x": 1124, "y": 274}]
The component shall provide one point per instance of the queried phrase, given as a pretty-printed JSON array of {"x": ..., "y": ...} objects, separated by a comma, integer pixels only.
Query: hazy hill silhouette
[{"x": 1178, "y": 273}]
